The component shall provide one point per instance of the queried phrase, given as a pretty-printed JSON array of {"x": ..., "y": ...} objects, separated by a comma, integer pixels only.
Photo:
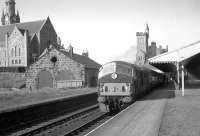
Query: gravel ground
[
  {"x": 16, "y": 97},
  {"x": 182, "y": 115}
]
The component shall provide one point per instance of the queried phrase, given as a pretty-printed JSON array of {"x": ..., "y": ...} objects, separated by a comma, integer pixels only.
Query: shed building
[{"x": 61, "y": 68}]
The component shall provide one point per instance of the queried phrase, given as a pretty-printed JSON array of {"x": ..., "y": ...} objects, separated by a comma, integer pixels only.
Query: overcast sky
[{"x": 107, "y": 28}]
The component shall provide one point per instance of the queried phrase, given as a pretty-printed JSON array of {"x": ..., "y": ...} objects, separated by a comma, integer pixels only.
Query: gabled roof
[
  {"x": 86, "y": 61},
  {"x": 32, "y": 27},
  {"x": 178, "y": 55}
]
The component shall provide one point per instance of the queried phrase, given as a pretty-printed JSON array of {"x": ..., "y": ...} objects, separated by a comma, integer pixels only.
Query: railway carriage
[{"x": 120, "y": 82}]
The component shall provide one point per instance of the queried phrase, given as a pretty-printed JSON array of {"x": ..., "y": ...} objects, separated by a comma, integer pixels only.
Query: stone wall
[
  {"x": 11, "y": 79},
  {"x": 45, "y": 63}
]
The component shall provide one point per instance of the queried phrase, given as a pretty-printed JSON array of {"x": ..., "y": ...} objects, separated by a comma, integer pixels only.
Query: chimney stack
[
  {"x": 85, "y": 53},
  {"x": 71, "y": 52}
]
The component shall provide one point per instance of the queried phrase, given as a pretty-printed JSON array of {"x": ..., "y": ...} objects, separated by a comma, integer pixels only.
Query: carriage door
[{"x": 45, "y": 79}]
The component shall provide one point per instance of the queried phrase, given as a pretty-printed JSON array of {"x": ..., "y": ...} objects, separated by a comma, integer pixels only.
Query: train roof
[
  {"x": 119, "y": 62},
  {"x": 153, "y": 68},
  {"x": 145, "y": 67}
]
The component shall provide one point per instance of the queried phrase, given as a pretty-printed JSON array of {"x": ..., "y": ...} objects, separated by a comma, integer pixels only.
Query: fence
[{"x": 69, "y": 83}]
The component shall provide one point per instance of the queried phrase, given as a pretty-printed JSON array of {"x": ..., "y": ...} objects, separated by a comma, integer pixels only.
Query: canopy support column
[
  {"x": 183, "y": 87},
  {"x": 177, "y": 66}
]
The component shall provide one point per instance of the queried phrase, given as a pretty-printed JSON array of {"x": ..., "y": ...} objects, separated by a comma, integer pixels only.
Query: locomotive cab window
[{"x": 106, "y": 88}]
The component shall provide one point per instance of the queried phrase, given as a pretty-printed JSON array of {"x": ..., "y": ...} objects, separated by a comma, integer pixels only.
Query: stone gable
[
  {"x": 54, "y": 63},
  {"x": 17, "y": 52},
  {"x": 31, "y": 37}
]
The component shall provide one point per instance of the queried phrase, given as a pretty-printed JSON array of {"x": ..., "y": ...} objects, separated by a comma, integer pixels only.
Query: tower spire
[
  {"x": 147, "y": 28},
  {"x": 2, "y": 17},
  {"x": 10, "y": 16}
]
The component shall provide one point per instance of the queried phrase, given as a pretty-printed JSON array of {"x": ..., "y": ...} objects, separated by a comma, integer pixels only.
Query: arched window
[
  {"x": 12, "y": 52},
  {"x": 19, "y": 51},
  {"x": 15, "y": 51}
]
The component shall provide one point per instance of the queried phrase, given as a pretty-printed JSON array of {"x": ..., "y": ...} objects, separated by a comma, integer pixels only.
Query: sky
[{"x": 107, "y": 28}]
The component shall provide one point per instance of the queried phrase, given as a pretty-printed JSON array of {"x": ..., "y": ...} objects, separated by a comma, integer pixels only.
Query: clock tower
[{"x": 9, "y": 16}]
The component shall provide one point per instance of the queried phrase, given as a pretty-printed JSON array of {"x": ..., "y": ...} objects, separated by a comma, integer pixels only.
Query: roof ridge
[
  {"x": 44, "y": 23},
  {"x": 23, "y": 23}
]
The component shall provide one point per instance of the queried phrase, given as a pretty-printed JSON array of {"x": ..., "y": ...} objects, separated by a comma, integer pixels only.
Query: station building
[
  {"x": 35, "y": 49},
  {"x": 61, "y": 68},
  {"x": 22, "y": 43}
]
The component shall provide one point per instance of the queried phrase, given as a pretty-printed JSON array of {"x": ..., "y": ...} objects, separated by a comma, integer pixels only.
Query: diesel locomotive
[{"x": 120, "y": 82}]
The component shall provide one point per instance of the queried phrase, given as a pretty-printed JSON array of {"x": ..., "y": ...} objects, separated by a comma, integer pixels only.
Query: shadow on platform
[
  {"x": 169, "y": 90},
  {"x": 195, "y": 84},
  {"x": 166, "y": 91}
]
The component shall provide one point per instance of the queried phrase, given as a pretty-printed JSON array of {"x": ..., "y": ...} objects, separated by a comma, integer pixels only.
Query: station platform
[
  {"x": 164, "y": 112},
  {"x": 13, "y": 99},
  {"x": 143, "y": 118},
  {"x": 182, "y": 113}
]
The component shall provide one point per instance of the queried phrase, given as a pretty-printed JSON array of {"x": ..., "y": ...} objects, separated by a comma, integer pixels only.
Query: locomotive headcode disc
[{"x": 114, "y": 76}]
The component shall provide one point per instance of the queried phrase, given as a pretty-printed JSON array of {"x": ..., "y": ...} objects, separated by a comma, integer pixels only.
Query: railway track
[
  {"x": 70, "y": 124},
  {"x": 85, "y": 129}
]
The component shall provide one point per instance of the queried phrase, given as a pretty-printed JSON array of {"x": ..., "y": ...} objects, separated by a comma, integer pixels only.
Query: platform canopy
[
  {"x": 185, "y": 55},
  {"x": 179, "y": 55}
]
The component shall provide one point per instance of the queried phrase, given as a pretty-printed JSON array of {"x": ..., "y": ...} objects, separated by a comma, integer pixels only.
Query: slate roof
[
  {"x": 32, "y": 27},
  {"x": 86, "y": 61}
]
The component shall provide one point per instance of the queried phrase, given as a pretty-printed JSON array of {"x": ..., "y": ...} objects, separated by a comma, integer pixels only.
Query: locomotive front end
[{"x": 115, "y": 86}]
